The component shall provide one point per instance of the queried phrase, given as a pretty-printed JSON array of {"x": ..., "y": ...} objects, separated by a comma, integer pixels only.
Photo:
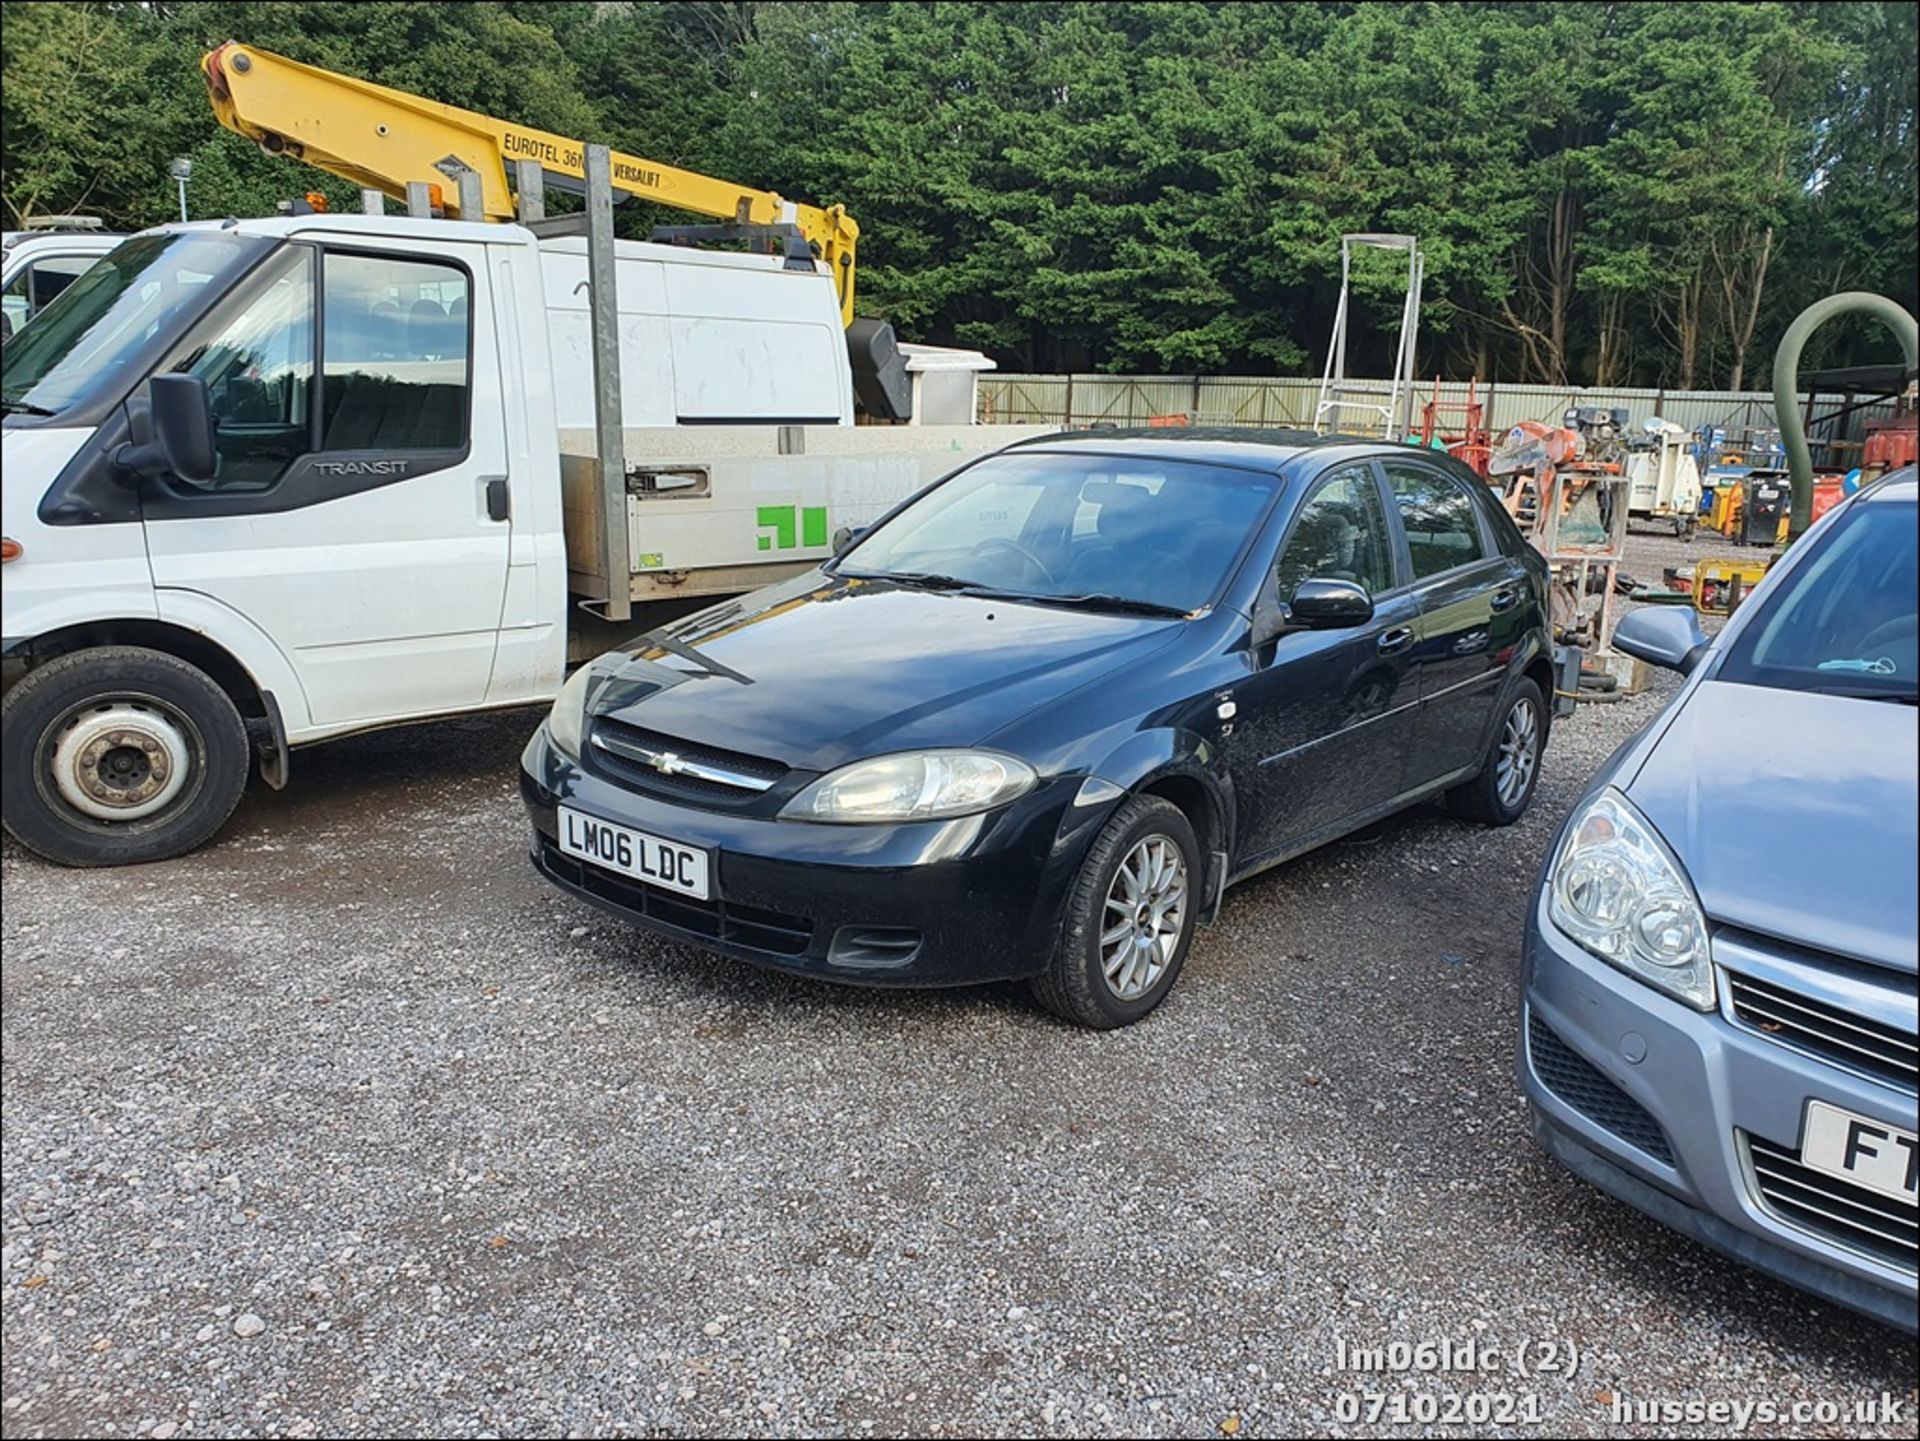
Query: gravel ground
[{"x": 348, "y": 1125}]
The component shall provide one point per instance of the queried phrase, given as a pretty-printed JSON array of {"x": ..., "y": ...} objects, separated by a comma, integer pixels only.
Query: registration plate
[
  {"x": 658, "y": 862},
  {"x": 1866, "y": 1152}
]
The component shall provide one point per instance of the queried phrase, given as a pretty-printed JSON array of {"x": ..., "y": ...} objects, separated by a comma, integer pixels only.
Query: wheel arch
[{"x": 196, "y": 648}]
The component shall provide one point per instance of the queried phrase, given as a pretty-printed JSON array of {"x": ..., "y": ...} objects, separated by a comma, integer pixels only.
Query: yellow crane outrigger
[{"x": 380, "y": 139}]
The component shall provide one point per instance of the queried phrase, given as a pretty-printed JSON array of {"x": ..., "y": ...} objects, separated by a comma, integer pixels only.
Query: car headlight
[
  {"x": 1617, "y": 890},
  {"x": 913, "y": 786},
  {"x": 567, "y": 721}
]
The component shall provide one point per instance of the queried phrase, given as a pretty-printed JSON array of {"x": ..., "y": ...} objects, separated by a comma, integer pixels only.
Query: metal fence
[{"x": 1125, "y": 400}]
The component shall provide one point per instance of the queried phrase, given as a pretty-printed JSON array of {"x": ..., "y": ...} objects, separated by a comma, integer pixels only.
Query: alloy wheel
[{"x": 1144, "y": 918}]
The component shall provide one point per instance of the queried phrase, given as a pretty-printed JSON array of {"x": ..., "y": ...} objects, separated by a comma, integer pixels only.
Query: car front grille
[
  {"x": 1575, "y": 1080},
  {"x": 709, "y": 920},
  {"x": 696, "y": 774},
  {"x": 1845, "y": 1214},
  {"x": 1857, "y": 1042}
]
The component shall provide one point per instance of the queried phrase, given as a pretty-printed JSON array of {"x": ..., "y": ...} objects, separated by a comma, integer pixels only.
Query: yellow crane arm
[{"x": 379, "y": 139}]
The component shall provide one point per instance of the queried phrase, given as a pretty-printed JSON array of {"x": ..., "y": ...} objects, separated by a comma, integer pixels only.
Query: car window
[
  {"x": 53, "y": 274},
  {"x": 1437, "y": 514},
  {"x": 1164, "y": 533},
  {"x": 396, "y": 354},
  {"x": 1847, "y": 620},
  {"x": 394, "y": 358},
  {"x": 259, "y": 372},
  {"x": 1340, "y": 534}
]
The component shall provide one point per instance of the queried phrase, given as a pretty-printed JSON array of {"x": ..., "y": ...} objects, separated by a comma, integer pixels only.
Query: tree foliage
[{"x": 1613, "y": 193}]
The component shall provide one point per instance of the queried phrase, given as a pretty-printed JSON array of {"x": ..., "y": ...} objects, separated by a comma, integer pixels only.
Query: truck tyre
[
  {"x": 1500, "y": 794},
  {"x": 118, "y": 755},
  {"x": 1130, "y": 919}
]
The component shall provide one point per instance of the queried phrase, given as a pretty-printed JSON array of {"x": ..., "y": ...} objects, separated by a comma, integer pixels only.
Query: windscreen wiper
[
  {"x": 24, "y": 407},
  {"x": 925, "y": 579},
  {"x": 1125, "y": 603}
]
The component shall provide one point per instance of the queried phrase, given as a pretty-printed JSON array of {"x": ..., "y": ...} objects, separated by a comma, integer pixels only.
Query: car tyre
[
  {"x": 1500, "y": 794},
  {"x": 119, "y": 755},
  {"x": 1130, "y": 918}
]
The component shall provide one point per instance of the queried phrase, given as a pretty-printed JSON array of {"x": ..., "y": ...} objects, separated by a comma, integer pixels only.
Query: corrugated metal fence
[{"x": 1123, "y": 400}]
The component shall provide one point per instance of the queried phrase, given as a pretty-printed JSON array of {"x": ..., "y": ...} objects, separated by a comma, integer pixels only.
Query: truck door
[{"x": 353, "y": 517}]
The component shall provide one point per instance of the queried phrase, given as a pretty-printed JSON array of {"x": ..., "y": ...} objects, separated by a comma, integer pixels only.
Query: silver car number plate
[
  {"x": 1854, "y": 1148},
  {"x": 667, "y": 864}
]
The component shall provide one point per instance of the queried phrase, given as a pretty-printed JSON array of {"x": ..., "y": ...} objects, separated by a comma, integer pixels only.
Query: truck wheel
[
  {"x": 1500, "y": 794},
  {"x": 118, "y": 755},
  {"x": 1130, "y": 918}
]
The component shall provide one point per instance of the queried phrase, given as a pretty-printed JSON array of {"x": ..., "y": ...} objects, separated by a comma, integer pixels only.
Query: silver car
[{"x": 1719, "y": 1014}]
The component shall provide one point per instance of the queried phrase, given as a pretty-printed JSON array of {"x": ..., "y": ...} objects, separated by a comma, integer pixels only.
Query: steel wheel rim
[
  {"x": 1519, "y": 753},
  {"x": 120, "y": 759},
  {"x": 1144, "y": 917}
]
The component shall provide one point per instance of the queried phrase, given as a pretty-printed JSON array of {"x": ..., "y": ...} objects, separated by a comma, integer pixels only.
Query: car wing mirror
[
  {"x": 844, "y": 538},
  {"x": 1325, "y": 604},
  {"x": 1666, "y": 636},
  {"x": 180, "y": 422}
]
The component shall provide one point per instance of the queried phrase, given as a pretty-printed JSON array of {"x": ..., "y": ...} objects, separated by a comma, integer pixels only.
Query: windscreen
[
  {"x": 1847, "y": 621},
  {"x": 103, "y": 321},
  {"x": 1140, "y": 529}
]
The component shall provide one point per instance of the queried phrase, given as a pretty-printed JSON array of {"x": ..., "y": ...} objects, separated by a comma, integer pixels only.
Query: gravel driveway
[{"x": 349, "y": 1125}]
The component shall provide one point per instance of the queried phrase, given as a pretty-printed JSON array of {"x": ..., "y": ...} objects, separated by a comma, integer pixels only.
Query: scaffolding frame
[{"x": 1396, "y": 416}]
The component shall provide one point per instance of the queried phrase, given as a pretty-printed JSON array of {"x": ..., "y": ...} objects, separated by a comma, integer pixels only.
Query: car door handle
[
  {"x": 1395, "y": 639},
  {"x": 1504, "y": 597},
  {"x": 498, "y": 506}
]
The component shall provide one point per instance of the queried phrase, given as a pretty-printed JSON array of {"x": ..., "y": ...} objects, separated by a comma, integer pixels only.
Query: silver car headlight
[
  {"x": 913, "y": 786},
  {"x": 1619, "y": 892},
  {"x": 567, "y": 721}
]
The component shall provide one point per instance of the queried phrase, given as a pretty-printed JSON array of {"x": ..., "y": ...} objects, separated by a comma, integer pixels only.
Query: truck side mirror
[{"x": 180, "y": 419}]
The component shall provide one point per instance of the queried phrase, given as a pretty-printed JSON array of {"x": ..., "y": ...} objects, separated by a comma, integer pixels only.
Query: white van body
[{"x": 37, "y": 265}]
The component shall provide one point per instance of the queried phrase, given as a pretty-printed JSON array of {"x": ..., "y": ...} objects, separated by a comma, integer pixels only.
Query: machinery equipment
[
  {"x": 1663, "y": 482},
  {"x": 1574, "y": 511},
  {"x": 1766, "y": 497},
  {"x": 387, "y": 140},
  {"x": 1470, "y": 443}
]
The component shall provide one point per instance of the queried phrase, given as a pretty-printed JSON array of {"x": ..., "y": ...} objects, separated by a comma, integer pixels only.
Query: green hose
[{"x": 1786, "y": 383}]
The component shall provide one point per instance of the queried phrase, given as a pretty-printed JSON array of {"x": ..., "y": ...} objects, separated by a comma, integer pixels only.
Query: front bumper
[
  {"x": 1668, "y": 1132},
  {"x": 932, "y": 903}
]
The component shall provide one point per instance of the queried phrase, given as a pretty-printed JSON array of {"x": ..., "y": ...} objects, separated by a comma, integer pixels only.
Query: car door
[
  {"x": 1472, "y": 600},
  {"x": 1322, "y": 726},
  {"x": 351, "y": 520}
]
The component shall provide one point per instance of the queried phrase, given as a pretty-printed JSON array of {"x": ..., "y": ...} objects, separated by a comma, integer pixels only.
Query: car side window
[
  {"x": 395, "y": 371},
  {"x": 1340, "y": 534},
  {"x": 395, "y": 367},
  {"x": 1437, "y": 514}
]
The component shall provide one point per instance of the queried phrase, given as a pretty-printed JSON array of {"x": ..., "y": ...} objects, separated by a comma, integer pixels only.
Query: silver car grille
[
  {"x": 1847, "y": 1215},
  {"x": 1857, "y": 1042}
]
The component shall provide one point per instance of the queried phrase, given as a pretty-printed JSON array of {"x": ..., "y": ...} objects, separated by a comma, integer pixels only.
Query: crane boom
[{"x": 380, "y": 139}]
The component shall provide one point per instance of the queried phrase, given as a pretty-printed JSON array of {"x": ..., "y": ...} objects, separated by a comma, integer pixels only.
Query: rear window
[{"x": 1847, "y": 621}]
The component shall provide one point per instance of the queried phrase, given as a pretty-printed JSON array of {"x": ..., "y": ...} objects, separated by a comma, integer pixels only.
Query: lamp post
[{"x": 180, "y": 169}]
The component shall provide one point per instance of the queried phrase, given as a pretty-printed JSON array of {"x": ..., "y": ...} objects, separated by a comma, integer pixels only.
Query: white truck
[{"x": 274, "y": 481}]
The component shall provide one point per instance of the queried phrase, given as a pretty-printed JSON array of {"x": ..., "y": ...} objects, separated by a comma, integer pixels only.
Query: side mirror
[
  {"x": 1666, "y": 636},
  {"x": 180, "y": 419},
  {"x": 1331, "y": 605},
  {"x": 844, "y": 537}
]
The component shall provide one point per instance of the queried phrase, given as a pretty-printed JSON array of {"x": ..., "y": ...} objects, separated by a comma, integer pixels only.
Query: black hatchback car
[{"x": 1036, "y": 719}]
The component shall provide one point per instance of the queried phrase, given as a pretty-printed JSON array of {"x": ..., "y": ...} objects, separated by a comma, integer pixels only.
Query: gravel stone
[
  {"x": 361, "y": 1022},
  {"x": 248, "y": 1325}
]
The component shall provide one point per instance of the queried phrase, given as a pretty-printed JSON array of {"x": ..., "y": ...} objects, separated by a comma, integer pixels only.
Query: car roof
[
  {"x": 1897, "y": 485},
  {"x": 1248, "y": 447}
]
